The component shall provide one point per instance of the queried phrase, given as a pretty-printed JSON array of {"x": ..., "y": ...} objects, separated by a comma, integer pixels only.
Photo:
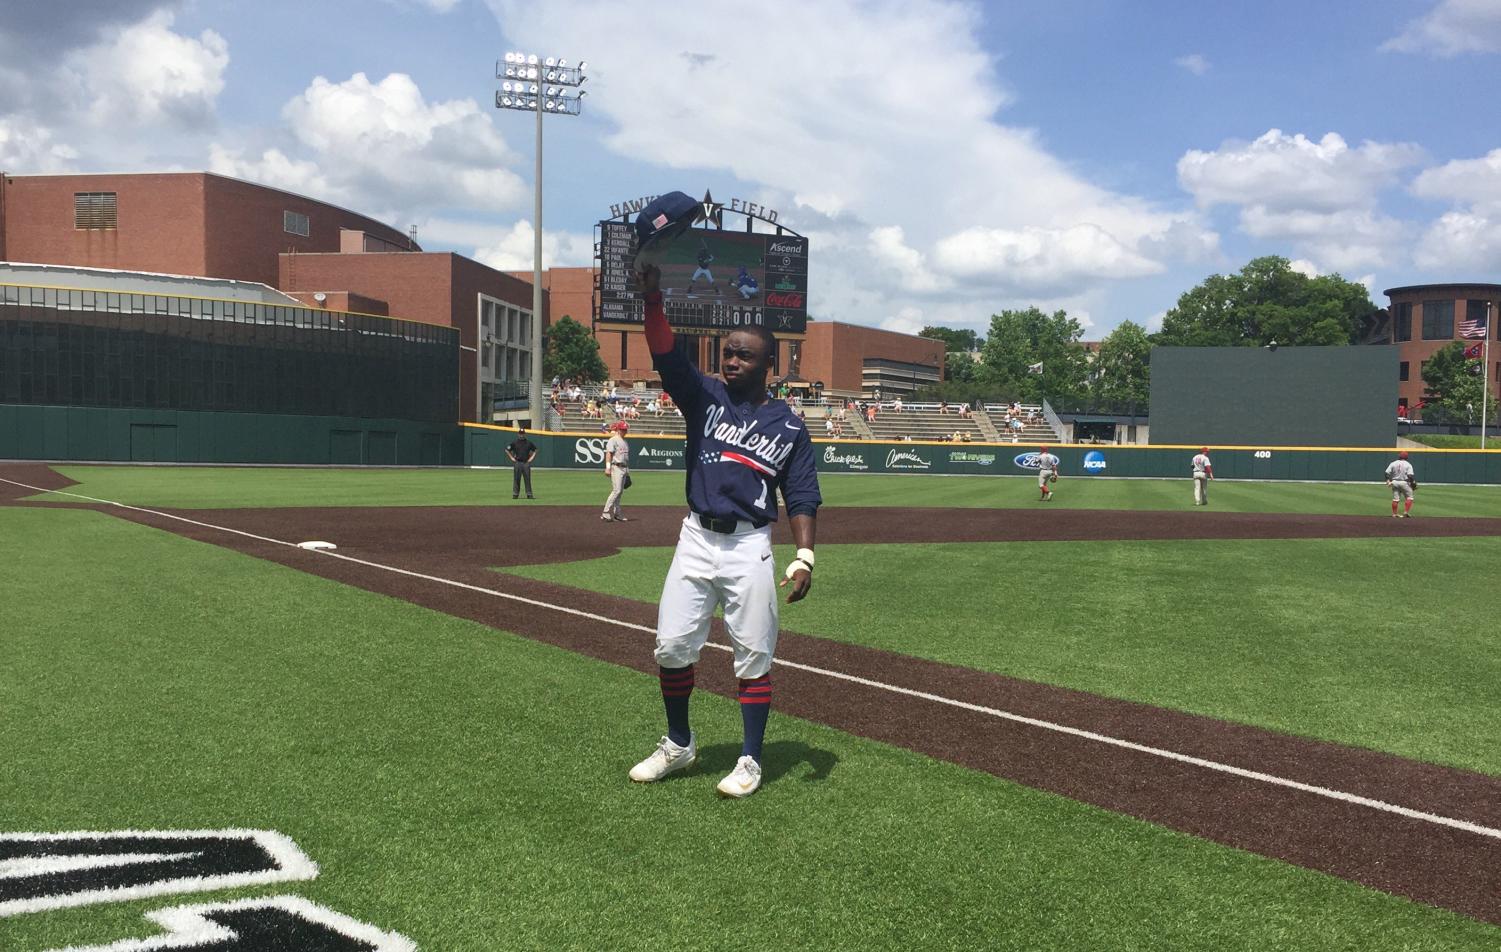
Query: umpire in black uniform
[{"x": 521, "y": 451}]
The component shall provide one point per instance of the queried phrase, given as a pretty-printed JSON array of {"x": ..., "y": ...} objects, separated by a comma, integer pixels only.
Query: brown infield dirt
[{"x": 1442, "y": 866}]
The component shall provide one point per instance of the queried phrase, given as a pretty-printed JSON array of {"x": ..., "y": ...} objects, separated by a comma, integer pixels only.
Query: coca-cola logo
[
  {"x": 784, "y": 299},
  {"x": 786, "y": 248}
]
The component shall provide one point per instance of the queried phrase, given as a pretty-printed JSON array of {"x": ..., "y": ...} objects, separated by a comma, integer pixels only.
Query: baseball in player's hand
[{"x": 802, "y": 581}]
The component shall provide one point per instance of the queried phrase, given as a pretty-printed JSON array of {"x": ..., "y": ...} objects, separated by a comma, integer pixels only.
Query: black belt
[{"x": 720, "y": 525}]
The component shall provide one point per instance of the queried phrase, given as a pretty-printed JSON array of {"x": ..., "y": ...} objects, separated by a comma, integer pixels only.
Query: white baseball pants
[
  {"x": 710, "y": 569},
  {"x": 1201, "y": 490}
]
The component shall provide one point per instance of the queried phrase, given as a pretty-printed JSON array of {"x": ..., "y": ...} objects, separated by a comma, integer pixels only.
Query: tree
[
  {"x": 1267, "y": 301},
  {"x": 572, "y": 353},
  {"x": 959, "y": 366},
  {"x": 1019, "y": 340},
  {"x": 1121, "y": 372},
  {"x": 1452, "y": 383}
]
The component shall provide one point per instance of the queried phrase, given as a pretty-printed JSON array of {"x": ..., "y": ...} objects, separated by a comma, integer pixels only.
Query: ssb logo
[
  {"x": 1094, "y": 462},
  {"x": 589, "y": 450}
]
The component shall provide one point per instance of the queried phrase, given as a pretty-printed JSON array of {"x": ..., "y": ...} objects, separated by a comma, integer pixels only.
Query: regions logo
[
  {"x": 654, "y": 452},
  {"x": 1026, "y": 461},
  {"x": 902, "y": 459},
  {"x": 1094, "y": 462},
  {"x": 981, "y": 459},
  {"x": 833, "y": 457}
]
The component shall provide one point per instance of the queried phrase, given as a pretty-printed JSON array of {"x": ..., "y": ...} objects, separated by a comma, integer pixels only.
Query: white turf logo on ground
[
  {"x": 55, "y": 870},
  {"x": 900, "y": 459},
  {"x": 45, "y": 871}
]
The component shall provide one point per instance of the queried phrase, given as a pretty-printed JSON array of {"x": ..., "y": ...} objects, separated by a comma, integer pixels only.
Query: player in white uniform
[
  {"x": 618, "y": 468},
  {"x": 1404, "y": 482},
  {"x": 1203, "y": 471},
  {"x": 1047, "y": 473}
]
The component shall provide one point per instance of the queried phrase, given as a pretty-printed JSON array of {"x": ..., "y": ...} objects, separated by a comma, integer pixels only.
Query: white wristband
[
  {"x": 796, "y": 566},
  {"x": 805, "y": 555}
]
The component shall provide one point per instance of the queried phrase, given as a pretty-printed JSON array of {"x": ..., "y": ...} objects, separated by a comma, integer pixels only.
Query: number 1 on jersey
[{"x": 761, "y": 499}]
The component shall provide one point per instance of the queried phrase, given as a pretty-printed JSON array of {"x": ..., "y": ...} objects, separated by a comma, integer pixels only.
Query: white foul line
[{"x": 1326, "y": 792}]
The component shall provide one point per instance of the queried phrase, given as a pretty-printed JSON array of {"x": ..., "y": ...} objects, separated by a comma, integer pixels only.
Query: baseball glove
[
  {"x": 1052, "y": 477},
  {"x": 626, "y": 483},
  {"x": 1414, "y": 484}
]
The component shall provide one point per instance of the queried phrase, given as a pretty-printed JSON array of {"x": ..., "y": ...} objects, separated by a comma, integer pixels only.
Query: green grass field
[
  {"x": 1317, "y": 637},
  {"x": 224, "y": 488},
  {"x": 1455, "y": 442},
  {"x": 465, "y": 787}
]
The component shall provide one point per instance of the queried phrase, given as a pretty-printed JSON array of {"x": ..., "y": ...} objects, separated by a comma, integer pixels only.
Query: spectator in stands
[
  {"x": 943, "y": 406},
  {"x": 1016, "y": 428},
  {"x": 964, "y": 437},
  {"x": 828, "y": 426},
  {"x": 653, "y": 407},
  {"x": 896, "y": 405}
]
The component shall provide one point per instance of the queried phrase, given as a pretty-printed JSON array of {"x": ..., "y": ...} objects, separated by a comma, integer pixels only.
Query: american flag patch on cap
[{"x": 659, "y": 222}]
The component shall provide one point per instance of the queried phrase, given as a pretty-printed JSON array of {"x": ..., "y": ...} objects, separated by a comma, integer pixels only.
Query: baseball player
[
  {"x": 1403, "y": 481},
  {"x": 743, "y": 447},
  {"x": 1047, "y": 473},
  {"x": 618, "y": 468},
  {"x": 1203, "y": 471},
  {"x": 704, "y": 260},
  {"x": 745, "y": 283}
]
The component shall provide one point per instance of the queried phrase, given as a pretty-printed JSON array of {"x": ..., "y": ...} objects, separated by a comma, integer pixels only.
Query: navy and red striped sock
[
  {"x": 755, "y": 708},
  {"x": 677, "y": 687}
]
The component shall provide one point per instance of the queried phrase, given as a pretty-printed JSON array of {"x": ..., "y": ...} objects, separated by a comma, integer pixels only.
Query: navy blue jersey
[{"x": 740, "y": 454}]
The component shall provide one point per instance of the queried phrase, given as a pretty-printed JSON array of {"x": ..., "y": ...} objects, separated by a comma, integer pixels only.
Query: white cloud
[
  {"x": 1472, "y": 181},
  {"x": 1320, "y": 196},
  {"x": 1039, "y": 260},
  {"x": 1286, "y": 172},
  {"x": 881, "y": 170},
  {"x": 1153, "y": 324},
  {"x": 1461, "y": 241},
  {"x": 513, "y": 249},
  {"x": 1305, "y": 267},
  {"x": 1196, "y": 63},
  {"x": 147, "y": 73},
  {"x": 1451, "y": 28},
  {"x": 31, "y": 148},
  {"x": 384, "y": 148}
]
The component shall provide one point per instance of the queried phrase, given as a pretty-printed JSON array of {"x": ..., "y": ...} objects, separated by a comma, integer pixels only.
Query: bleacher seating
[
  {"x": 1034, "y": 428},
  {"x": 922, "y": 421}
]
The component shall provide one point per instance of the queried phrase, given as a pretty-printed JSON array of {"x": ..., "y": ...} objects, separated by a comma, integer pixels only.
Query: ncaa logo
[{"x": 1094, "y": 462}]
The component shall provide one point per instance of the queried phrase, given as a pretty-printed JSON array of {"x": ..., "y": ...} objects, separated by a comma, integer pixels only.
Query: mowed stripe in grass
[
  {"x": 226, "y": 488},
  {"x": 1382, "y": 643},
  {"x": 466, "y": 787}
]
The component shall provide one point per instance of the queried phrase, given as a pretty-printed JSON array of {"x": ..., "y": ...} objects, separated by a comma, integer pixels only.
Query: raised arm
[{"x": 658, "y": 331}]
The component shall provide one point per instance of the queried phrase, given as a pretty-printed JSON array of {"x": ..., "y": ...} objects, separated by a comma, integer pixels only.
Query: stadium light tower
[{"x": 544, "y": 86}]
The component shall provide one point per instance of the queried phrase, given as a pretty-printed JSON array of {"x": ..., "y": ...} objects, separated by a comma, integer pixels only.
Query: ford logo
[
  {"x": 1026, "y": 461},
  {"x": 1094, "y": 462}
]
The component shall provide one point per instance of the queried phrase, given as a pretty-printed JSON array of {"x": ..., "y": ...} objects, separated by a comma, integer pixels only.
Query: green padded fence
[
  {"x": 206, "y": 436},
  {"x": 485, "y": 446}
]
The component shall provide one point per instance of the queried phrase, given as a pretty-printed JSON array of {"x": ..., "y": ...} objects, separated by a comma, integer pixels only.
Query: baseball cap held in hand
[{"x": 660, "y": 222}]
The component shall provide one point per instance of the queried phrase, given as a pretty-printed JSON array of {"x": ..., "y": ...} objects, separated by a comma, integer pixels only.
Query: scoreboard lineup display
[{"x": 712, "y": 281}]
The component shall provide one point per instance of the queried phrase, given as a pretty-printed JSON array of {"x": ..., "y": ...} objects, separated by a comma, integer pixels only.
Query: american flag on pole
[{"x": 1472, "y": 325}]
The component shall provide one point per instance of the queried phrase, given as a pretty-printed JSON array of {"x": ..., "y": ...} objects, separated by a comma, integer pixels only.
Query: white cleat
[
  {"x": 743, "y": 781},
  {"x": 667, "y": 758}
]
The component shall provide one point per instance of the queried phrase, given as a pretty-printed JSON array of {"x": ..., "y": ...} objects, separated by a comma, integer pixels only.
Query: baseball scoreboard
[{"x": 713, "y": 281}]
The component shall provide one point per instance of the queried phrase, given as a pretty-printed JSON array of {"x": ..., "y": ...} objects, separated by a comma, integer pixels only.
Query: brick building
[
  {"x": 1426, "y": 318},
  {"x": 204, "y": 225},
  {"x": 848, "y": 359}
]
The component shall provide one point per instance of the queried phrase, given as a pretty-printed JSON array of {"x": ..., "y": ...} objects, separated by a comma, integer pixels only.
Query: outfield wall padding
[
  {"x": 485, "y": 446},
  {"x": 208, "y": 436}
]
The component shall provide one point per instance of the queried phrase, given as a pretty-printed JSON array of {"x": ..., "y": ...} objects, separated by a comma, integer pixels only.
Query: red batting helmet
[
  {"x": 622, "y": 426},
  {"x": 1203, "y": 449},
  {"x": 1402, "y": 455}
]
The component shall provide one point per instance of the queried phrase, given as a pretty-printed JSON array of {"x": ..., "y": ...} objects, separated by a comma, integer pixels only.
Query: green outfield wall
[
  {"x": 485, "y": 446},
  {"x": 207, "y": 436}
]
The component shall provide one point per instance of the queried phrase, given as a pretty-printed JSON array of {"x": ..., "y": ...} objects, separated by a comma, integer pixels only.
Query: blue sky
[{"x": 947, "y": 159}]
